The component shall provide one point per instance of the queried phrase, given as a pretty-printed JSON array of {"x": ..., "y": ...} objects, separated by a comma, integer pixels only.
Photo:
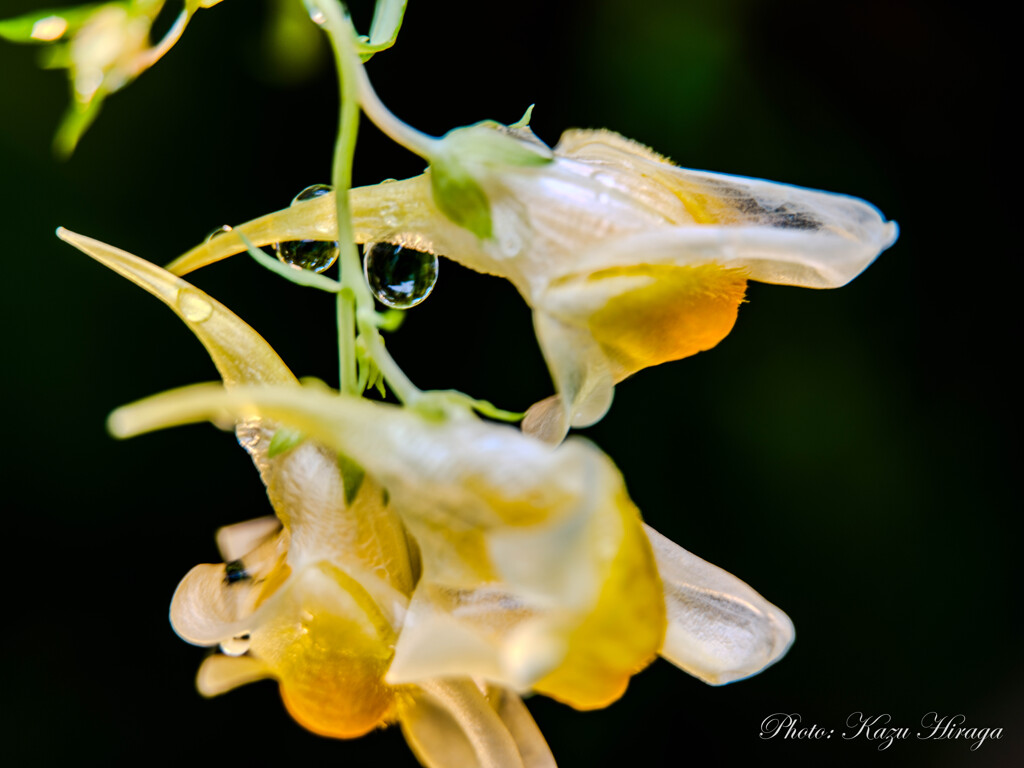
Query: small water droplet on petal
[
  {"x": 399, "y": 277},
  {"x": 315, "y": 13},
  {"x": 193, "y": 306},
  {"x": 312, "y": 192},
  {"x": 236, "y": 646},
  {"x": 218, "y": 231}
]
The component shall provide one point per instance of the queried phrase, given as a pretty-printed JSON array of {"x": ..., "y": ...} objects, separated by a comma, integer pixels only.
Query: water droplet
[
  {"x": 315, "y": 13},
  {"x": 236, "y": 646},
  {"x": 218, "y": 231},
  {"x": 193, "y": 306},
  {"x": 399, "y": 277},
  {"x": 314, "y": 255},
  {"x": 312, "y": 192}
]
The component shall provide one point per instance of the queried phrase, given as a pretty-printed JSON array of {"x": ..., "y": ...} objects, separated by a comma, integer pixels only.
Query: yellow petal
[
  {"x": 657, "y": 313},
  {"x": 619, "y": 637},
  {"x": 328, "y": 644},
  {"x": 376, "y": 211},
  {"x": 719, "y": 629}
]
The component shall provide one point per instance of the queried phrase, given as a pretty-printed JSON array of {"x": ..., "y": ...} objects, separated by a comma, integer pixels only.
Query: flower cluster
[
  {"x": 427, "y": 567},
  {"x": 428, "y": 571}
]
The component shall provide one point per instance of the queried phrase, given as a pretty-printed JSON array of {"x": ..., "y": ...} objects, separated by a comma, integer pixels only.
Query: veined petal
[
  {"x": 832, "y": 237},
  {"x": 450, "y": 723},
  {"x": 719, "y": 629},
  {"x": 219, "y": 674},
  {"x": 560, "y": 535},
  {"x": 533, "y": 748},
  {"x": 787, "y": 256}
]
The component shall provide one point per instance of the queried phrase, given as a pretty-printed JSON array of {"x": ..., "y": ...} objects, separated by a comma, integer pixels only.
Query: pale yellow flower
[
  {"x": 436, "y": 569},
  {"x": 627, "y": 260}
]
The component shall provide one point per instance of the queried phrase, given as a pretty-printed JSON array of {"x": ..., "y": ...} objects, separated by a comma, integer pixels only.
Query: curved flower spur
[
  {"x": 627, "y": 260},
  {"x": 427, "y": 570}
]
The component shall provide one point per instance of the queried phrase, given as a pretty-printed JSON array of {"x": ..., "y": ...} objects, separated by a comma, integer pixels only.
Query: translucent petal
[
  {"x": 578, "y": 367},
  {"x": 553, "y": 529},
  {"x": 832, "y": 238},
  {"x": 719, "y": 629},
  {"x": 450, "y": 723},
  {"x": 219, "y": 674},
  {"x": 529, "y": 740}
]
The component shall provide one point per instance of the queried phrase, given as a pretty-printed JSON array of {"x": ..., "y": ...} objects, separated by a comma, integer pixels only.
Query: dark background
[{"x": 848, "y": 453}]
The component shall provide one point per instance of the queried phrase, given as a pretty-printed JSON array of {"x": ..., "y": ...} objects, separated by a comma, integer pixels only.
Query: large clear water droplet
[
  {"x": 399, "y": 277},
  {"x": 314, "y": 255}
]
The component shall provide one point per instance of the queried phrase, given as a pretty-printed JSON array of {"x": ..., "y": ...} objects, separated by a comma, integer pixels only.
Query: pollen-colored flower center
[{"x": 669, "y": 312}]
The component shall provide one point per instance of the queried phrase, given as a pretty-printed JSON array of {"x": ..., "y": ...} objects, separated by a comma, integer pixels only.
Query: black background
[{"x": 848, "y": 453}]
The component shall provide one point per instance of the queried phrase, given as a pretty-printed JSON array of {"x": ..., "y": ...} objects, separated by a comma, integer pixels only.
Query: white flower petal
[
  {"x": 579, "y": 369},
  {"x": 719, "y": 629},
  {"x": 214, "y": 603},
  {"x": 236, "y": 541}
]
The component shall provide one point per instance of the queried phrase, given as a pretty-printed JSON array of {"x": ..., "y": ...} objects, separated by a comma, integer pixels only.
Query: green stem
[{"x": 355, "y": 300}]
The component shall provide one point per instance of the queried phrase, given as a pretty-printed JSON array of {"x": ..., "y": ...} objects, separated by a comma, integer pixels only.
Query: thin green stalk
[{"x": 355, "y": 299}]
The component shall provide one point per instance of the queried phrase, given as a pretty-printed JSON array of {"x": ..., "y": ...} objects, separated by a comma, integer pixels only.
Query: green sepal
[
  {"x": 489, "y": 143},
  {"x": 460, "y": 197},
  {"x": 524, "y": 121},
  {"x": 284, "y": 440},
  {"x": 352, "y": 476}
]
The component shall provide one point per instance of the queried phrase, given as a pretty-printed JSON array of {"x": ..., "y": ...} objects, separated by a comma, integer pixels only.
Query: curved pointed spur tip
[
  {"x": 313, "y": 219},
  {"x": 719, "y": 629},
  {"x": 240, "y": 354}
]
